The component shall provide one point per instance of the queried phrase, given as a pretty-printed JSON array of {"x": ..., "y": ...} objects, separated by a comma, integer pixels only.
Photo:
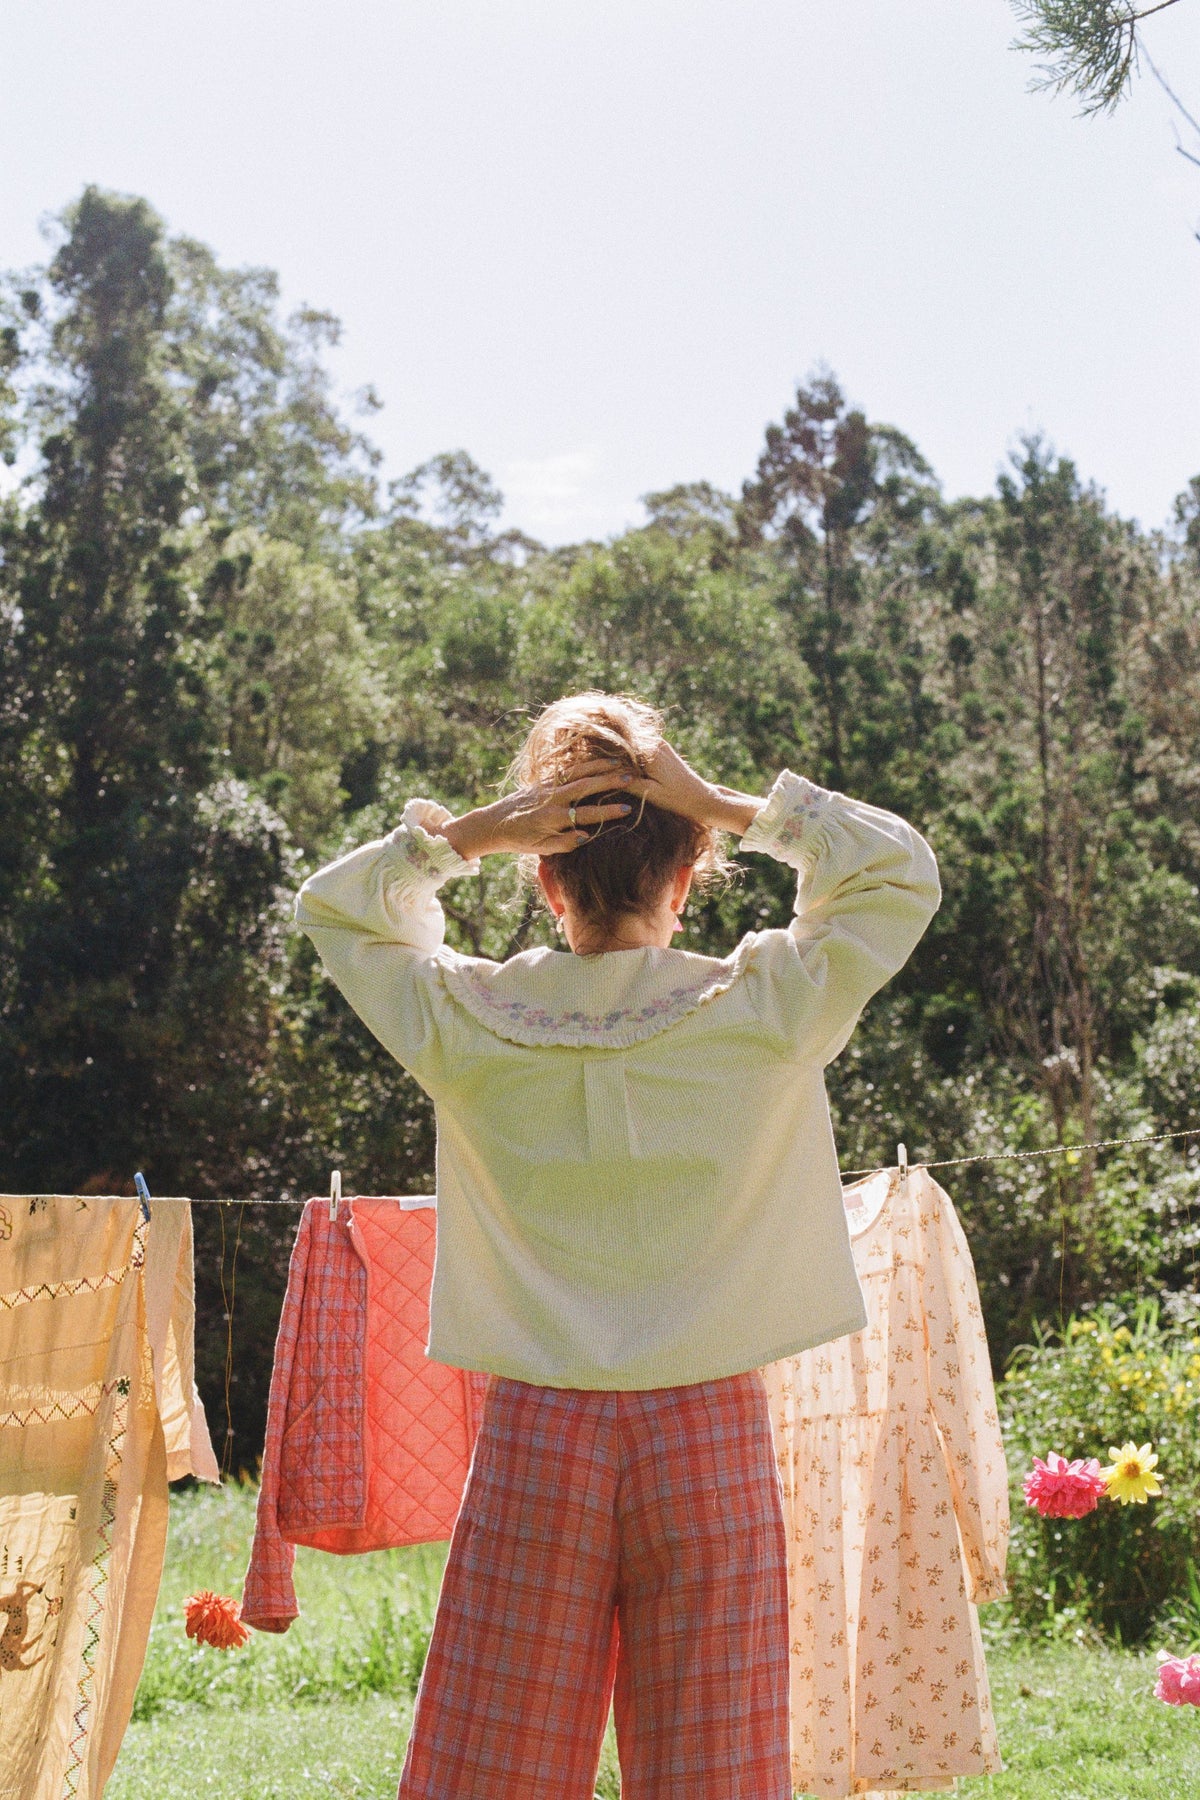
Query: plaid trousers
[{"x": 611, "y": 1545}]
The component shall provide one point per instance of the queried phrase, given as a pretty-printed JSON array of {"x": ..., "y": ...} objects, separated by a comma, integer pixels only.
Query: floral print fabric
[{"x": 896, "y": 1502}]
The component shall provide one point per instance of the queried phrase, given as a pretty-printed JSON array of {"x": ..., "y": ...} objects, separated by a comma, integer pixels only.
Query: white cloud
[{"x": 561, "y": 499}]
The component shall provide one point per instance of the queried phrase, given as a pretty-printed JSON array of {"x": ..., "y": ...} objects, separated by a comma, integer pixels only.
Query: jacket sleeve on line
[
  {"x": 375, "y": 919},
  {"x": 867, "y": 888},
  {"x": 268, "y": 1592}
]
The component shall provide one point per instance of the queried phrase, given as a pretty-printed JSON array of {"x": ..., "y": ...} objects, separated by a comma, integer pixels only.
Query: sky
[{"x": 599, "y": 244}]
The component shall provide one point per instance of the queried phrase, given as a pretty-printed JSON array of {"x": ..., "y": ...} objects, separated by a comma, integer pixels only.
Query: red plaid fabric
[
  {"x": 634, "y": 1538},
  {"x": 368, "y": 1441},
  {"x": 318, "y": 1375}
]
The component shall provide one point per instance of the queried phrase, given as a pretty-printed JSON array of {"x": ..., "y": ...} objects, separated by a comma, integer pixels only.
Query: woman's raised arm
[
  {"x": 674, "y": 785},
  {"x": 867, "y": 888},
  {"x": 376, "y": 921}
]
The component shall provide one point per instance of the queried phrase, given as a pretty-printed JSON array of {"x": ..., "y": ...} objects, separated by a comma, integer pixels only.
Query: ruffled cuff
[
  {"x": 418, "y": 856},
  {"x": 785, "y": 827}
]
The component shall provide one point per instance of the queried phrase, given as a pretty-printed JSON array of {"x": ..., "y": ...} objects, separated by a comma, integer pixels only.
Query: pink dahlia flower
[
  {"x": 1064, "y": 1490},
  {"x": 1178, "y": 1680}
]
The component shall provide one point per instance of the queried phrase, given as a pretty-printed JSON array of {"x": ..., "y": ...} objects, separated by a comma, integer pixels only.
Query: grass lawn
[{"x": 325, "y": 1710}]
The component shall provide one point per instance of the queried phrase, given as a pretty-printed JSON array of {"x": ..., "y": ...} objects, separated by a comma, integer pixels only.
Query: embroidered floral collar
[{"x": 606, "y": 1002}]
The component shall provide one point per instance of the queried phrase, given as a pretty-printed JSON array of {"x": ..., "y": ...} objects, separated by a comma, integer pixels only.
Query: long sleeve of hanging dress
[
  {"x": 636, "y": 1175},
  {"x": 962, "y": 1396}
]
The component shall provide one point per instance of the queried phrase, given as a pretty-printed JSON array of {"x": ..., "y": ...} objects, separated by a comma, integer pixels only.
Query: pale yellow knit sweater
[{"x": 636, "y": 1177}]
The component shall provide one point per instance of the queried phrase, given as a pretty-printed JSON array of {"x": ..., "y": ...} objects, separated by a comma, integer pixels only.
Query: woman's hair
[{"x": 625, "y": 865}]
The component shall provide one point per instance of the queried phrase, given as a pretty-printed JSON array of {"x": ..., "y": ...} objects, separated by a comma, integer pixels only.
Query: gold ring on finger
[{"x": 571, "y": 814}]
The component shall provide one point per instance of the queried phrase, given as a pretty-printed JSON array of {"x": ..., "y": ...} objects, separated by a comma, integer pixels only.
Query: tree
[
  {"x": 222, "y": 660},
  {"x": 142, "y": 952},
  {"x": 1073, "y": 655},
  {"x": 163, "y": 679},
  {"x": 1091, "y": 47},
  {"x": 838, "y": 495},
  {"x": 102, "y": 697},
  {"x": 291, "y": 677},
  {"x": 268, "y": 446},
  {"x": 695, "y": 509}
]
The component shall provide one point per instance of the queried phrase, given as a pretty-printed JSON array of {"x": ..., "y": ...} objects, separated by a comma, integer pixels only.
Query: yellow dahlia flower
[{"x": 1131, "y": 1475}]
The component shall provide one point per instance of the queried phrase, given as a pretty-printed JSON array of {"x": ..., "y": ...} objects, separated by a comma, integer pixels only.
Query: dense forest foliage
[{"x": 229, "y": 650}]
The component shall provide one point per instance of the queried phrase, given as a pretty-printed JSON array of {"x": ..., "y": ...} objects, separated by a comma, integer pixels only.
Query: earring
[{"x": 560, "y": 925}]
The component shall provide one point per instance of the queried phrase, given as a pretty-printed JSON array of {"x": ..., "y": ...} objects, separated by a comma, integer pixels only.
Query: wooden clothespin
[
  {"x": 902, "y": 1160},
  {"x": 335, "y": 1193}
]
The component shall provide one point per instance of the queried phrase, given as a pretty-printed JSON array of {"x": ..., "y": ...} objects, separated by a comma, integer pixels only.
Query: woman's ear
[
  {"x": 681, "y": 887},
  {"x": 551, "y": 886}
]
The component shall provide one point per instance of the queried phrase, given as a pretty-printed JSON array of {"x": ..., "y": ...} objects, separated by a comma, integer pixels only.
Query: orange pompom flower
[{"x": 212, "y": 1619}]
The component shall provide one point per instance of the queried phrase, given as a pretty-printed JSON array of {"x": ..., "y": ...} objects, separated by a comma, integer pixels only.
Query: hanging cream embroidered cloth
[
  {"x": 896, "y": 1505},
  {"x": 97, "y": 1410}
]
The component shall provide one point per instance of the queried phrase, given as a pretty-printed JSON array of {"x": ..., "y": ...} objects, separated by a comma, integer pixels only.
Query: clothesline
[
  {"x": 955, "y": 1162},
  {"x": 950, "y": 1162}
]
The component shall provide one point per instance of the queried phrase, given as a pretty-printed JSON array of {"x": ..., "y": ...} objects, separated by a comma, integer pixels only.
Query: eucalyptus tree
[
  {"x": 844, "y": 503},
  {"x": 105, "y": 713},
  {"x": 158, "y": 703}
]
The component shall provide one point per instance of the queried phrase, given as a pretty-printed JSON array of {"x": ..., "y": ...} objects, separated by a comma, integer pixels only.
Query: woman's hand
[
  {"x": 670, "y": 783},
  {"x": 537, "y": 820}
]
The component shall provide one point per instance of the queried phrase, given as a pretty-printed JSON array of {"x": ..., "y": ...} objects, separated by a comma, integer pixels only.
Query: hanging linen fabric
[
  {"x": 896, "y": 1507},
  {"x": 98, "y": 1410},
  {"x": 368, "y": 1441}
]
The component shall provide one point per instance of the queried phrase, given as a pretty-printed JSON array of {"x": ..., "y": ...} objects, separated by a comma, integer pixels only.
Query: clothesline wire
[
  {"x": 956, "y": 1162},
  {"x": 227, "y": 1301},
  {"x": 949, "y": 1162}
]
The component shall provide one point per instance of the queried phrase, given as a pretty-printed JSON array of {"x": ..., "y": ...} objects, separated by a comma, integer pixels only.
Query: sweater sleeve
[
  {"x": 375, "y": 919},
  {"x": 867, "y": 888}
]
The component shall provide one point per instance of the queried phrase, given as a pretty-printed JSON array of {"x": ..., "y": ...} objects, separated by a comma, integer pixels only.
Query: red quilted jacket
[{"x": 368, "y": 1442}]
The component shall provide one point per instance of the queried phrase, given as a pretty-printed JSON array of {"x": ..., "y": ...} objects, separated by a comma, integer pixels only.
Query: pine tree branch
[{"x": 1091, "y": 47}]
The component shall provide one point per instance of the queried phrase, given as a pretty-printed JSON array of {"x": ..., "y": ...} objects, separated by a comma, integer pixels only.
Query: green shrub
[{"x": 1111, "y": 1377}]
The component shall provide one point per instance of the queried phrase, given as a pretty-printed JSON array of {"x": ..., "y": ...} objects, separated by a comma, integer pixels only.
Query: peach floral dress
[{"x": 896, "y": 1503}]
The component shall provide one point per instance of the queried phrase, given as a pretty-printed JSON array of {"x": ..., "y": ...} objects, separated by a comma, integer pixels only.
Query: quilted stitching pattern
[
  {"x": 420, "y": 1435},
  {"x": 419, "y": 1429},
  {"x": 368, "y": 1442},
  {"x": 322, "y": 1477}
]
